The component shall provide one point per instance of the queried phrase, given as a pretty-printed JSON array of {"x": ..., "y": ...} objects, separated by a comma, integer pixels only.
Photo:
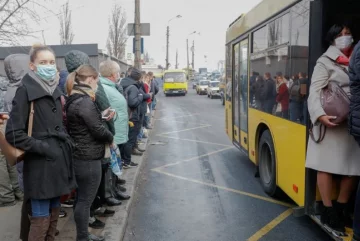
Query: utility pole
[
  {"x": 137, "y": 35},
  {"x": 177, "y": 63},
  {"x": 193, "y": 53},
  {"x": 187, "y": 54},
  {"x": 167, "y": 47},
  {"x": 167, "y": 41}
]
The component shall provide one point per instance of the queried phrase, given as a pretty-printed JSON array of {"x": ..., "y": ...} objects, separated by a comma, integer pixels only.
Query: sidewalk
[{"x": 115, "y": 226}]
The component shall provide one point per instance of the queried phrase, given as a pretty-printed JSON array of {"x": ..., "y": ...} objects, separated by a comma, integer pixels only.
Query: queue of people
[
  {"x": 280, "y": 95},
  {"x": 84, "y": 129}
]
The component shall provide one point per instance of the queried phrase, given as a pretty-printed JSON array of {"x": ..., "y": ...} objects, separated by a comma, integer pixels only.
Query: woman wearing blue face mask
[{"x": 48, "y": 166}]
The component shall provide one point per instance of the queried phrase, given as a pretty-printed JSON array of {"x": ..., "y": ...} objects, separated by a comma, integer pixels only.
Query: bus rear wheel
[{"x": 267, "y": 164}]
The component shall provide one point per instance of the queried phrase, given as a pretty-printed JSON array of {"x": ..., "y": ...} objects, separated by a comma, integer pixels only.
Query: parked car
[
  {"x": 213, "y": 89},
  {"x": 201, "y": 88}
]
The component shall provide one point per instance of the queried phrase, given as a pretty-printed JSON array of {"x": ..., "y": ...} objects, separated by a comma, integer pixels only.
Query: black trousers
[
  {"x": 105, "y": 189},
  {"x": 88, "y": 178},
  {"x": 126, "y": 148}
]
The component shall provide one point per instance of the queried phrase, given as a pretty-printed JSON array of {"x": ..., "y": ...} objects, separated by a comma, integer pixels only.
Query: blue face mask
[{"x": 46, "y": 72}]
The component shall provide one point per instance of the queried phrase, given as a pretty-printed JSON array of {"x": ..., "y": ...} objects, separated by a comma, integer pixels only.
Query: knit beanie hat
[{"x": 75, "y": 58}]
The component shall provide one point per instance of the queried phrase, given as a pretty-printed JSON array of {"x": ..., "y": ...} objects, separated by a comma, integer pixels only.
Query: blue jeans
[
  {"x": 141, "y": 133},
  {"x": 296, "y": 110},
  {"x": 41, "y": 207},
  {"x": 153, "y": 104}
]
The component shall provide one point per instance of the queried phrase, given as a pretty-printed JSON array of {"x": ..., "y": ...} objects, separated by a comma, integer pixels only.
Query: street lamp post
[
  {"x": 187, "y": 49},
  {"x": 193, "y": 53},
  {"x": 167, "y": 40}
]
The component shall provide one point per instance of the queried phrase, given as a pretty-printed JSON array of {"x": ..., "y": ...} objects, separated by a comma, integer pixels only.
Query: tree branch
[{"x": 12, "y": 13}]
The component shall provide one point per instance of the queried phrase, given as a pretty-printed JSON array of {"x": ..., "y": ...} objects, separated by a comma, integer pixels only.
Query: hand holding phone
[{"x": 108, "y": 114}]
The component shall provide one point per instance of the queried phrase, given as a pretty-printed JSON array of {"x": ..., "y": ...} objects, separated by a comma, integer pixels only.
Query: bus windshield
[{"x": 174, "y": 77}]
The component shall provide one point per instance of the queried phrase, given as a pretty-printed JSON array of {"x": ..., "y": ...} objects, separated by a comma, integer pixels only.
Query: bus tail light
[
  {"x": 295, "y": 188},
  {"x": 253, "y": 153}
]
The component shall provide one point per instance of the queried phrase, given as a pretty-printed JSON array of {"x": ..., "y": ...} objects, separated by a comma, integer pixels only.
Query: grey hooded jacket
[{"x": 16, "y": 66}]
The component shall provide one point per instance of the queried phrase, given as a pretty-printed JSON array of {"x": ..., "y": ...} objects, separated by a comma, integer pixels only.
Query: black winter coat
[
  {"x": 269, "y": 90},
  {"x": 354, "y": 74},
  {"x": 259, "y": 90},
  {"x": 48, "y": 165},
  {"x": 154, "y": 87},
  {"x": 133, "y": 97},
  {"x": 86, "y": 128}
]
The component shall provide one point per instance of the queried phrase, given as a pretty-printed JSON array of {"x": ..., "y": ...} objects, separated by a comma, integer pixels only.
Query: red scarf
[{"x": 344, "y": 60}]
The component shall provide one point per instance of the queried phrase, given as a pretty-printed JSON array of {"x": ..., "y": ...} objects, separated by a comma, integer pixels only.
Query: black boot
[
  {"x": 120, "y": 181},
  {"x": 340, "y": 213},
  {"x": 121, "y": 188},
  {"x": 121, "y": 196},
  {"x": 113, "y": 202},
  {"x": 331, "y": 218}
]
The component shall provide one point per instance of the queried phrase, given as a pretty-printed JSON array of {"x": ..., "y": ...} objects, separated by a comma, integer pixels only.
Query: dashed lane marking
[
  {"x": 268, "y": 227},
  {"x": 166, "y": 118},
  {"x": 185, "y": 122},
  {"x": 182, "y": 130},
  {"x": 193, "y": 158},
  {"x": 182, "y": 139},
  {"x": 273, "y": 223}
]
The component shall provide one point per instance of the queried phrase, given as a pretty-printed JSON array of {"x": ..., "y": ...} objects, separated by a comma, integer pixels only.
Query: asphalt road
[{"x": 195, "y": 186}]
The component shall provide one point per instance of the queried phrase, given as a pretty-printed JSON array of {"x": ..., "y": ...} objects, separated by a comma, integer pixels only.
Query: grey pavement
[{"x": 195, "y": 186}]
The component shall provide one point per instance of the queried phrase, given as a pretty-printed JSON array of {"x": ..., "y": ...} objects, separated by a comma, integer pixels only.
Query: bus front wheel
[{"x": 267, "y": 164}]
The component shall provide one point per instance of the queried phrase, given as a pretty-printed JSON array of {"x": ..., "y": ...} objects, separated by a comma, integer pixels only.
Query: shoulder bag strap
[
  {"x": 31, "y": 119},
  {"x": 338, "y": 65},
  {"x": 321, "y": 134}
]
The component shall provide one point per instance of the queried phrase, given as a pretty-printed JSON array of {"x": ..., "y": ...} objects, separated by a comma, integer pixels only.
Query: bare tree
[
  {"x": 14, "y": 18},
  {"x": 117, "y": 37},
  {"x": 66, "y": 33}
]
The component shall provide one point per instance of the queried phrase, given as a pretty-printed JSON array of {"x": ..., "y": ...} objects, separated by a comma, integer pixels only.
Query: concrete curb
[{"x": 116, "y": 226}]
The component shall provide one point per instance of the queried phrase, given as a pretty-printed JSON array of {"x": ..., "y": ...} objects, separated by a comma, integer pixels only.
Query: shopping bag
[{"x": 115, "y": 162}]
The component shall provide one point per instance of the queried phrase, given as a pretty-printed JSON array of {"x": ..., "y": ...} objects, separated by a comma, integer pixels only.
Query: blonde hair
[
  {"x": 80, "y": 75},
  {"x": 108, "y": 68},
  {"x": 36, "y": 48}
]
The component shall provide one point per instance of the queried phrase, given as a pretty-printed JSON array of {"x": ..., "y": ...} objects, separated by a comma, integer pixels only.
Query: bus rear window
[
  {"x": 174, "y": 77},
  {"x": 206, "y": 82}
]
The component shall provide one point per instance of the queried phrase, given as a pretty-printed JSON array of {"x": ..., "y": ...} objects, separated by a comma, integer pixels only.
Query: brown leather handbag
[{"x": 12, "y": 154}]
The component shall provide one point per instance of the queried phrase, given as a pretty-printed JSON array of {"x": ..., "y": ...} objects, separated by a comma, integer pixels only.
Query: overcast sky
[{"x": 209, "y": 17}]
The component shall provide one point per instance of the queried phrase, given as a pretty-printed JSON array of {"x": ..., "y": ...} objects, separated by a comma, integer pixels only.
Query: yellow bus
[
  {"x": 278, "y": 37},
  {"x": 175, "y": 82}
]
